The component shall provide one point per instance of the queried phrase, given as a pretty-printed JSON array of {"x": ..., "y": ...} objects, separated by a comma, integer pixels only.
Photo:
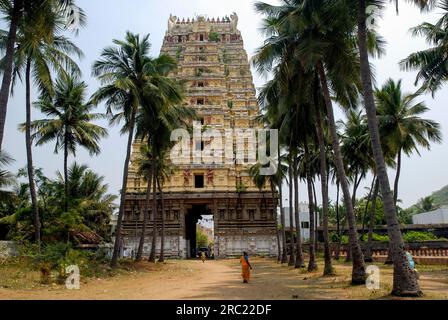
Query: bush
[
  {"x": 415, "y": 236},
  {"x": 58, "y": 256},
  {"x": 376, "y": 237},
  {"x": 334, "y": 237}
]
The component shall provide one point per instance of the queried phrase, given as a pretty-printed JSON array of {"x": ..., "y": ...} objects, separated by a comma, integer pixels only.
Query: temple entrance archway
[{"x": 194, "y": 214}]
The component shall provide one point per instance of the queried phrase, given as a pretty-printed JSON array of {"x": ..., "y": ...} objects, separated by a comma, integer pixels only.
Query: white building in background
[
  {"x": 439, "y": 216},
  {"x": 304, "y": 215},
  {"x": 113, "y": 222}
]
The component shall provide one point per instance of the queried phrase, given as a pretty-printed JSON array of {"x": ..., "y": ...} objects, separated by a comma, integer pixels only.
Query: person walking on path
[{"x": 246, "y": 267}]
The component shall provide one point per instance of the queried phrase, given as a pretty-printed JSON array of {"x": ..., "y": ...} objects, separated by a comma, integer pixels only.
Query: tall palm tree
[
  {"x": 355, "y": 148},
  {"x": 122, "y": 71},
  {"x": 161, "y": 113},
  {"x": 401, "y": 125},
  {"x": 70, "y": 123},
  {"x": 405, "y": 281},
  {"x": 272, "y": 118},
  {"x": 328, "y": 268},
  {"x": 145, "y": 171},
  {"x": 41, "y": 48},
  {"x": 15, "y": 11},
  {"x": 331, "y": 52}
]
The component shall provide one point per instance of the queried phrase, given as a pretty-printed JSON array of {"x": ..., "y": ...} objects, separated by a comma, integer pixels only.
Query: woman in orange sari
[{"x": 245, "y": 265}]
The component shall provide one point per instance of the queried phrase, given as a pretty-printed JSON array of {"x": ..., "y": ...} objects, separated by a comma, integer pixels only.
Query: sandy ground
[{"x": 221, "y": 280}]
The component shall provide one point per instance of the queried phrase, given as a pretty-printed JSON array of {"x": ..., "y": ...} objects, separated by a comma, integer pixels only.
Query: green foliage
[
  {"x": 376, "y": 237},
  {"x": 225, "y": 57},
  {"x": 178, "y": 52},
  {"x": 360, "y": 208},
  {"x": 440, "y": 197},
  {"x": 334, "y": 237},
  {"x": 59, "y": 255},
  {"x": 213, "y": 36},
  {"x": 240, "y": 188},
  {"x": 416, "y": 236},
  {"x": 230, "y": 104},
  {"x": 89, "y": 207},
  {"x": 431, "y": 203},
  {"x": 201, "y": 239}
]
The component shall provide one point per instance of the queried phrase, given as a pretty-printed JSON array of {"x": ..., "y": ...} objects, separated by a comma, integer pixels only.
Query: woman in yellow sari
[{"x": 246, "y": 267}]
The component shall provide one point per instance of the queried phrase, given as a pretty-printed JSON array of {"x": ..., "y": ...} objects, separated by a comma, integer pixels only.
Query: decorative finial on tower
[
  {"x": 234, "y": 21},
  {"x": 171, "y": 22}
]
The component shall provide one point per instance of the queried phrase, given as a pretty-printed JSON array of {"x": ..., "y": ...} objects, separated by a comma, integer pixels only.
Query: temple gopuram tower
[{"x": 219, "y": 86}]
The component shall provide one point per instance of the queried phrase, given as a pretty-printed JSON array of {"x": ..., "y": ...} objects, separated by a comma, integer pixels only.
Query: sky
[{"x": 110, "y": 19}]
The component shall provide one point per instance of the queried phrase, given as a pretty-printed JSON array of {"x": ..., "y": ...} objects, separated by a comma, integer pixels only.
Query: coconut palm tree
[
  {"x": 70, "y": 123},
  {"x": 405, "y": 281},
  {"x": 355, "y": 148},
  {"x": 300, "y": 26},
  {"x": 122, "y": 71},
  {"x": 426, "y": 204},
  {"x": 145, "y": 171},
  {"x": 400, "y": 124},
  {"x": 7, "y": 179},
  {"x": 431, "y": 63},
  {"x": 88, "y": 195},
  {"x": 40, "y": 49},
  {"x": 14, "y": 12},
  {"x": 161, "y": 113},
  {"x": 272, "y": 118}
]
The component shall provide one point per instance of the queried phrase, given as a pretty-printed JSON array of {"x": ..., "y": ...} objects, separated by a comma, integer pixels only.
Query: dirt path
[{"x": 178, "y": 280}]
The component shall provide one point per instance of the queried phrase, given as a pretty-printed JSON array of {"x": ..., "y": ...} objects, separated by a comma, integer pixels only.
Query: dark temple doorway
[{"x": 198, "y": 222}]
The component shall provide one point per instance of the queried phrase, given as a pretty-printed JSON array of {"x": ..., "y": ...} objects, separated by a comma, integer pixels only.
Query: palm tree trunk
[
  {"x": 66, "y": 172},
  {"x": 405, "y": 281},
  {"x": 152, "y": 255},
  {"x": 29, "y": 155},
  {"x": 366, "y": 208},
  {"x": 338, "y": 224},
  {"x": 141, "y": 243},
  {"x": 358, "y": 272},
  {"x": 312, "y": 265},
  {"x": 283, "y": 231},
  {"x": 282, "y": 211},
  {"x": 356, "y": 183},
  {"x": 316, "y": 217},
  {"x": 299, "y": 254},
  {"x": 162, "y": 240},
  {"x": 397, "y": 177},
  {"x": 328, "y": 268},
  {"x": 8, "y": 65},
  {"x": 279, "y": 248},
  {"x": 118, "y": 239},
  {"x": 368, "y": 257},
  {"x": 292, "y": 255},
  {"x": 274, "y": 205}
]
